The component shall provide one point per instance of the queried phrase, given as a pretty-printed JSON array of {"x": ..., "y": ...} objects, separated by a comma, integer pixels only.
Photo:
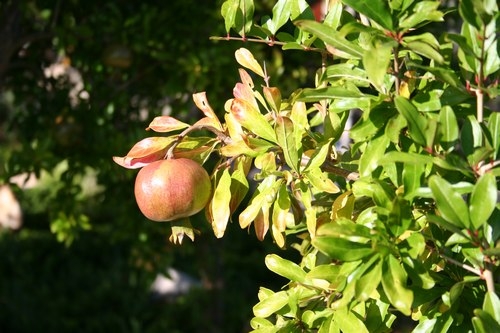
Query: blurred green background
[{"x": 79, "y": 83}]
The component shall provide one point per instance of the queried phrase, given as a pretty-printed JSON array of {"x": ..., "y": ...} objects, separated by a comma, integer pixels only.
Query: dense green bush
[{"x": 405, "y": 222}]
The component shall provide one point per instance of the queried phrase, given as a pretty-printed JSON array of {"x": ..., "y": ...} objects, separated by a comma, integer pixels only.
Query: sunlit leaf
[
  {"x": 271, "y": 304},
  {"x": 376, "y": 61},
  {"x": 483, "y": 200},
  {"x": 285, "y": 268},
  {"x": 394, "y": 283},
  {"x": 377, "y": 10},
  {"x": 342, "y": 249},
  {"x": 286, "y": 140},
  {"x": 373, "y": 152},
  {"x": 320, "y": 181},
  {"x": 448, "y": 126},
  {"x": 250, "y": 118},
  {"x": 450, "y": 204},
  {"x": 219, "y": 205},
  {"x": 163, "y": 124},
  {"x": 494, "y": 127},
  {"x": 246, "y": 59},
  {"x": 144, "y": 152},
  {"x": 368, "y": 282},
  {"x": 416, "y": 123},
  {"x": 331, "y": 37}
]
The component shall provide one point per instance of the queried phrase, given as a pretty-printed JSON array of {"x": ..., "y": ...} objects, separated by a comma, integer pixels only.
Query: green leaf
[
  {"x": 484, "y": 322},
  {"x": 471, "y": 135},
  {"x": 377, "y": 10},
  {"x": 317, "y": 94},
  {"x": 349, "y": 321},
  {"x": 250, "y": 118},
  {"x": 376, "y": 61},
  {"x": 450, "y": 204},
  {"x": 373, "y": 152},
  {"x": 285, "y": 268},
  {"x": 448, "y": 127},
  {"x": 424, "y": 46},
  {"x": 483, "y": 200},
  {"x": 423, "y": 12},
  {"x": 281, "y": 14},
  {"x": 319, "y": 156},
  {"x": 271, "y": 304},
  {"x": 368, "y": 282},
  {"x": 394, "y": 283},
  {"x": 219, "y": 206},
  {"x": 494, "y": 127},
  {"x": 286, "y": 140},
  {"x": 341, "y": 249},
  {"x": 412, "y": 177},
  {"x": 331, "y": 37},
  {"x": 320, "y": 181},
  {"x": 491, "y": 305},
  {"x": 416, "y": 123}
]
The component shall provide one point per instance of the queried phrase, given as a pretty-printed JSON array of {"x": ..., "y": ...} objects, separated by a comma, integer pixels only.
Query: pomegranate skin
[{"x": 171, "y": 189}]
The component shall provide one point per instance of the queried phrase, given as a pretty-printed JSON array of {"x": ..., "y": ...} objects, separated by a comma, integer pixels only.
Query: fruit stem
[{"x": 221, "y": 136}]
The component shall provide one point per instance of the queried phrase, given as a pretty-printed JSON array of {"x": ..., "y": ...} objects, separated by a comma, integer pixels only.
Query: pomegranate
[{"x": 171, "y": 189}]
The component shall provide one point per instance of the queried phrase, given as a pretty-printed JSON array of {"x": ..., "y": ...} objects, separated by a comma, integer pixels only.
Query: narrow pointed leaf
[
  {"x": 163, "y": 124},
  {"x": 450, "y": 204},
  {"x": 377, "y": 10},
  {"x": 285, "y": 268},
  {"x": 219, "y": 205},
  {"x": 416, "y": 123},
  {"x": 246, "y": 59},
  {"x": 250, "y": 118},
  {"x": 331, "y": 37},
  {"x": 394, "y": 283},
  {"x": 286, "y": 140},
  {"x": 270, "y": 305},
  {"x": 483, "y": 200}
]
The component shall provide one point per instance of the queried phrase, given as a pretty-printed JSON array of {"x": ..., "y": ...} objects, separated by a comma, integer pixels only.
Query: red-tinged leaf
[
  {"x": 144, "y": 152},
  {"x": 261, "y": 223},
  {"x": 246, "y": 79},
  {"x": 245, "y": 58},
  {"x": 239, "y": 183},
  {"x": 243, "y": 92},
  {"x": 250, "y": 118},
  {"x": 165, "y": 124},
  {"x": 200, "y": 99},
  {"x": 233, "y": 127},
  {"x": 273, "y": 97},
  {"x": 207, "y": 122}
]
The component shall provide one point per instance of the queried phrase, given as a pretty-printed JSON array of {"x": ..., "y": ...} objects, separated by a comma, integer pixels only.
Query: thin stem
[
  {"x": 221, "y": 136},
  {"x": 396, "y": 69},
  {"x": 462, "y": 265},
  {"x": 263, "y": 41},
  {"x": 488, "y": 277}
]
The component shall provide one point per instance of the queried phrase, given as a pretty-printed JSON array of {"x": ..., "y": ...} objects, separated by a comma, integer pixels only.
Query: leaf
[
  {"x": 483, "y": 200},
  {"x": 494, "y": 127},
  {"x": 416, "y": 123},
  {"x": 491, "y": 305},
  {"x": 450, "y": 204},
  {"x": 331, "y": 37},
  {"x": 250, "y": 118},
  {"x": 271, "y": 304},
  {"x": 425, "y": 49},
  {"x": 281, "y": 14},
  {"x": 341, "y": 249},
  {"x": 394, "y": 283},
  {"x": 286, "y": 140},
  {"x": 374, "y": 151},
  {"x": 239, "y": 183},
  {"x": 200, "y": 99},
  {"x": 348, "y": 321},
  {"x": 343, "y": 206},
  {"x": 273, "y": 98},
  {"x": 484, "y": 322},
  {"x": 320, "y": 181},
  {"x": 144, "y": 152},
  {"x": 368, "y": 282},
  {"x": 448, "y": 127},
  {"x": 246, "y": 59},
  {"x": 285, "y": 268},
  {"x": 219, "y": 205},
  {"x": 376, "y": 61},
  {"x": 317, "y": 94},
  {"x": 165, "y": 124},
  {"x": 377, "y": 10}
]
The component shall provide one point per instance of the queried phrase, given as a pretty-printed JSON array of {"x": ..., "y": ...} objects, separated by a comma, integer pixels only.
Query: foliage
[{"x": 402, "y": 222}]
